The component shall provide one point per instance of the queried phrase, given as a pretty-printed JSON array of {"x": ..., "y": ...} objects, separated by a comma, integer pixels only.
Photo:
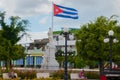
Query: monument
[{"x": 49, "y": 62}]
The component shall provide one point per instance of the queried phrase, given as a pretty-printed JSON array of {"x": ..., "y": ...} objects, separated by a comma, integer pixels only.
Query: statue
[
  {"x": 50, "y": 35},
  {"x": 49, "y": 61}
]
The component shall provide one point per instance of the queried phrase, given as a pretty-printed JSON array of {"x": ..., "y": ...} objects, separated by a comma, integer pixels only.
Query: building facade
[{"x": 36, "y": 50}]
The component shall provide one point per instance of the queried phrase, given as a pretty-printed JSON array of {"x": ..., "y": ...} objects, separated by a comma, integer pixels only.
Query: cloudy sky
[{"x": 39, "y": 12}]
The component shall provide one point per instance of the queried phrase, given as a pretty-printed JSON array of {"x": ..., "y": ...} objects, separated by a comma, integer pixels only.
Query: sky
[{"x": 39, "y": 13}]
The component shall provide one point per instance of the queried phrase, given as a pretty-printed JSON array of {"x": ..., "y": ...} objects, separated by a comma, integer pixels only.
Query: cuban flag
[{"x": 65, "y": 12}]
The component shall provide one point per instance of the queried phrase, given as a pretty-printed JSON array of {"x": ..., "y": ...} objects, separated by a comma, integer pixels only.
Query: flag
[{"x": 65, "y": 12}]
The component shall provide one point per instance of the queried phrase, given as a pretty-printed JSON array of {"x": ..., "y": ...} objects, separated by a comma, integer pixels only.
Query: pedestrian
[
  {"x": 82, "y": 75},
  {"x": 103, "y": 77},
  {"x": 11, "y": 74}
]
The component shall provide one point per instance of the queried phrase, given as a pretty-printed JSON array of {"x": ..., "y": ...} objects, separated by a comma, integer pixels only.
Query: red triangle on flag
[{"x": 57, "y": 10}]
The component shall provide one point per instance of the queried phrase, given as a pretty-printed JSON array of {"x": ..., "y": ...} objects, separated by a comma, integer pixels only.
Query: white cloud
[
  {"x": 43, "y": 8},
  {"x": 87, "y": 9},
  {"x": 27, "y": 7},
  {"x": 8, "y": 6},
  {"x": 0, "y": 4},
  {"x": 37, "y": 7},
  {"x": 56, "y": 1},
  {"x": 43, "y": 20},
  {"x": 116, "y": 6}
]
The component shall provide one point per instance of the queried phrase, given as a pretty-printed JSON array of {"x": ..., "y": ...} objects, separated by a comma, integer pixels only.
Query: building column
[
  {"x": 25, "y": 62},
  {"x": 35, "y": 61},
  {"x": 14, "y": 62}
]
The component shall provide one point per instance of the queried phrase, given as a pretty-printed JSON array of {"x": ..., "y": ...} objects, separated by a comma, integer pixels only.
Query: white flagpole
[{"x": 52, "y": 14}]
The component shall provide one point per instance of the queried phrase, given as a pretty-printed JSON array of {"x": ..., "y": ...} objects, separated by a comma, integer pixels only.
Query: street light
[
  {"x": 110, "y": 39},
  {"x": 66, "y": 35}
]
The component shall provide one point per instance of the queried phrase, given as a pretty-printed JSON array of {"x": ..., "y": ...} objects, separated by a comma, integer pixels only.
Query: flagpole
[{"x": 52, "y": 15}]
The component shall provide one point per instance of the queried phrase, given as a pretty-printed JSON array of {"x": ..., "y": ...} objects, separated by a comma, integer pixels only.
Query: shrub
[
  {"x": 27, "y": 74},
  {"x": 92, "y": 75},
  {"x": 46, "y": 79},
  {"x": 58, "y": 75}
]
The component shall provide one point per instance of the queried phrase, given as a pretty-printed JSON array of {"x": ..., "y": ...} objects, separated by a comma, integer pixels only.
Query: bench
[
  {"x": 6, "y": 76},
  {"x": 75, "y": 76},
  {"x": 43, "y": 75},
  {"x": 112, "y": 74}
]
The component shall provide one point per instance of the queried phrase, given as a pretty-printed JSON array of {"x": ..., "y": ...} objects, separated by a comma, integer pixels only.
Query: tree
[
  {"x": 90, "y": 45},
  {"x": 79, "y": 62},
  {"x": 10, "y": 34},
  {"x": 59, "y": 57}
]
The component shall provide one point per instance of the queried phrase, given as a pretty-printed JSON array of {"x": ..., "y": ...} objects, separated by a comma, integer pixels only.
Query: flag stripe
[
  {"x": 66, "y": 8},
  {"x": 68, "y": 14},
  {"x": 65, "y": 16},
  {"x": 72, "y": 13}
]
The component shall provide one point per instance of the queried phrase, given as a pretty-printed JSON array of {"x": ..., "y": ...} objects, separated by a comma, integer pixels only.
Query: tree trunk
[
  {"x": 59, "y": 64},
  {"x": 7, "y": 64},
  {"x": 101, "y": 68}
]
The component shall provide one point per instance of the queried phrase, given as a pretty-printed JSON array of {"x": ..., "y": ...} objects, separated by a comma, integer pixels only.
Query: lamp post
[
  {"x": 66, "y": 35},
  {"x": 110, "y": 39}
]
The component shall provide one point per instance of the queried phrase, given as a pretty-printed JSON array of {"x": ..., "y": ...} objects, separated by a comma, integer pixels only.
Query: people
[
  {"x": 103, "y": 77},
  {"x": 81, "y": 74},
  {"x": 11, "y": 74}
]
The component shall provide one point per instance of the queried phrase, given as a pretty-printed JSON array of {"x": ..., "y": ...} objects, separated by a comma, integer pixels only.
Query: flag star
[{"x": 57, "y": 10}]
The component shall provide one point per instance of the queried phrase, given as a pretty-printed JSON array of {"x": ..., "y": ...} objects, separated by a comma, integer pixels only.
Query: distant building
[{"x": 35, "y": 51}]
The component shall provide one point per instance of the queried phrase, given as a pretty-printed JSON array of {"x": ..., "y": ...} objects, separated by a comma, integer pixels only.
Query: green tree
[
  {"x": 90, "y": 45},
  {"x": 79, "y": 62},
  {"x": 59, "y": 57},
  {"x": 10, "y": 34}
]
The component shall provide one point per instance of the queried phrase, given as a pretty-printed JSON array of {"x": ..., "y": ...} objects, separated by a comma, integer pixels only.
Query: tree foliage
[
  {"x": 90, "y": 45},
  {"x": 71, "y": 31},
  {"x": 60, "y": 57},
  {"x": 10, "y": 34}
]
